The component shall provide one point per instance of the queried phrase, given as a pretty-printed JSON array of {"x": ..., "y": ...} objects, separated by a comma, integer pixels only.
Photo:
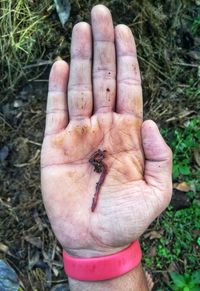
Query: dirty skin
[{"x": 100, "y": 167}]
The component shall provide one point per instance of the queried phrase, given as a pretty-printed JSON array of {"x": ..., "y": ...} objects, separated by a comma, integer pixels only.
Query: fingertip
[
  {"x": 82, "y": 24},
  {"x": 125, "y": 41},
  {"x": 81, "y": 43},
  {"x": 123, "y": 27},
  {"x": 149, "y": 127},
  {"x": 82, "y": 29},
  {"x": 154, "y": 145},
  {"x": 123, "y": 36},
  {"x": 58, "y": 64},
  {"x": 100, "y": 8},
  {"x": 102, "y": 24},
  {"x": 59, "y": 76},
  {"x": 149, "y": 124}
]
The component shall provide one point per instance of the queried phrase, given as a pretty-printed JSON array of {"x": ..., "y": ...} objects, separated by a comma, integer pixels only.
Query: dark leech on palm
[{"x": 100, "y": 167}]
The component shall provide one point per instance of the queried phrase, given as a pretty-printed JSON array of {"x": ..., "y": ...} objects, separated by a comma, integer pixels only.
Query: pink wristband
[{"x": 103, "y": 268}]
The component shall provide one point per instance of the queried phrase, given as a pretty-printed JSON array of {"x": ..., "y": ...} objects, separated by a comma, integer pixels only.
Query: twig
[
  {"x": 154, "y": 66},
  {"x": 2, "y": 118},
  {"x": 33, "y": 142},
  {"x": 42, "y": 63},
  {"x": 186, "y": 65},
  {"x": 181, "y": 116}
]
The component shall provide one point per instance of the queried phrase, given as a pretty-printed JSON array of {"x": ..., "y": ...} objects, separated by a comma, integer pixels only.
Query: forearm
[{"x": 135, "y": 280}]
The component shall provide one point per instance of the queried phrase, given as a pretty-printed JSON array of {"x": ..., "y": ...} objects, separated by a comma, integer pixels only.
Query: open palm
[{"x": 102, "y": 112}]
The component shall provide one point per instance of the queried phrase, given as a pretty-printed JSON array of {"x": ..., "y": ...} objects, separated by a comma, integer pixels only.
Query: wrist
[
  {"x": 89, "y": 253},
  {"x": 134, "y": 280}
]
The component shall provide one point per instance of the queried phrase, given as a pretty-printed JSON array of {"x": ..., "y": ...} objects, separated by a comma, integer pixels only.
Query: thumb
[{"x": 158, "y": 160}]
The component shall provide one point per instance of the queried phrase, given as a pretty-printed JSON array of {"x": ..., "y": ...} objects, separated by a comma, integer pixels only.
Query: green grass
[
  {"x": 180, "y": 241},
  {"x": 26, "y": 34},
  {"x": 185, "y": 282},
  {"x": 183, "y": 142},
  {"x": 196, "y": 26}
]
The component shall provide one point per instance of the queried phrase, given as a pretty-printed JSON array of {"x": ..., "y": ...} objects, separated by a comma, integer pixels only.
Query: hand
[{"x": 101, "y": 110}]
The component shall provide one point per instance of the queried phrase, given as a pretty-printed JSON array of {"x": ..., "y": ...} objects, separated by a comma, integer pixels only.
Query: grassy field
[{"x": 167, "y": 37}]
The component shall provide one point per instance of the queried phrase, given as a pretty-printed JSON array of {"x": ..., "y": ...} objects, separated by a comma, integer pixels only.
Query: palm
[{"x": 69, "y": 180}]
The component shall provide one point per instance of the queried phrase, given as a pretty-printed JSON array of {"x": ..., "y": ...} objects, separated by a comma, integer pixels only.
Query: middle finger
[{"x": 104, "y": 63}]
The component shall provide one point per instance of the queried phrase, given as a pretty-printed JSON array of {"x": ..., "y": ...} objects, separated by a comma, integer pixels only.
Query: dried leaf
[
  {"x": 3, "y": 248},
  {"x": 153, "y": 234},
  {"x": 63, "y": 8},
  {"x": 183, "y": 186},
  {"x": 197, "y": 156},
  {"x": 35, "y": 241},
  {"x": 33, "y": 260},
  {"x": 153, "y": 251},
  {"x": 55, "y": 271},
  {"x": 172, "y": 267},
  {"x": 166, "y": 278}
]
